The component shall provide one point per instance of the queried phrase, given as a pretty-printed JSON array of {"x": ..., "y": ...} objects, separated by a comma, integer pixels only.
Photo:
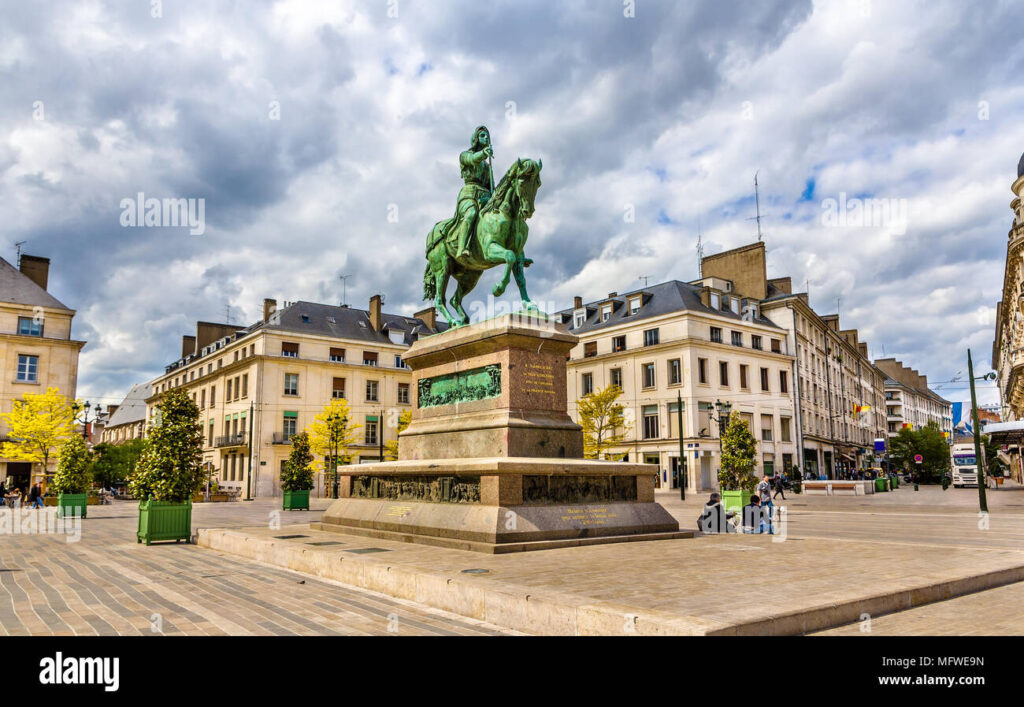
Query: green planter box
[
  {"x": 735, "y": 500},
  {"x": 72, "y": 503},
  {"x": 296, "y": 500},
  {"x": 160, "y": 520},
  {"x": 895, "y": 482}
]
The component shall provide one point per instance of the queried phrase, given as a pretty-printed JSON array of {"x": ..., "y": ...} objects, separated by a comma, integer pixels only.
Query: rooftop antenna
[
  {"x": 644, "y": 278},
  {"x": 757, "y": 203},
  {"x": 18, "y": 246},
  {"x": 227, "y": 313},
  {"x": 344, "y": 289},
  {"x": 700, "y": 252}
]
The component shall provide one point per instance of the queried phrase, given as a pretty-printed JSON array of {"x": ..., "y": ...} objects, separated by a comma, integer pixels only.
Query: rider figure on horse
[{"x": 479, "y": 181}]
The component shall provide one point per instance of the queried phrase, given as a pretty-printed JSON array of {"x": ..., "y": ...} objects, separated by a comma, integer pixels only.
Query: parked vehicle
[{"x": 965, "y": 465}]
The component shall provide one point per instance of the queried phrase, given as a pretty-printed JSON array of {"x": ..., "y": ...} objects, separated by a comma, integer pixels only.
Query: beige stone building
[
  {"x": 909, "y": 402},
  {"x": 36, "y": 350},
  {"x": 258, "y": 386},
  {"x": 695, "y": 340},
  {"x": 1008, "y": 346},
  {"x": 127, "y": 421}
]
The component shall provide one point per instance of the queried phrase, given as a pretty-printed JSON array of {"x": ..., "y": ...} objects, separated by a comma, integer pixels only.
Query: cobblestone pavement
[{"x": 107, "y": 584}]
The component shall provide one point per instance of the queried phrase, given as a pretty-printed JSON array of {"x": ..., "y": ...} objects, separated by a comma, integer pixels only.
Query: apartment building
[
  {"x": 127, "y": 421},
  {"x": 36, "y": 351},
  {"x": 258, "y": 386},
  {"x": 694, "y": 341},
  {"x": 838, "y": 393},
  {"x": 909, "y": 402},
  {"x": 1008, "y": 345}
]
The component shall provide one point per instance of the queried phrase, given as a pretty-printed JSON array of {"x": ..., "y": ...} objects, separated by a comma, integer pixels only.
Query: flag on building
[{"x": 858, "y": 409}]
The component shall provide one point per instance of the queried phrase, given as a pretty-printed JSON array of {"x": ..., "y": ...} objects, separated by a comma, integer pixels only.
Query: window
[
  {"x": 744, "y": 383},
  {"x": 650, "y": 421},
  {"x": 209, "y": 438},
  {"x": 616, "y": 376},
  {"x": 649, "y": 380},
  {"x": 618, "y": 344},
  {"x": 291, "y": 423},
  {"x": 716, "y": 335},
  {"x": 651, "y": 337},
  {"x": 737, "y": 338},
  {"x": 675, "y": 372},
  {"x": 403, "y": 393},
  {"x": 673, "y": 419},
  {"x": 702, "y": 370},
  {"x": 231, "y": 383},
  {"x": 606, "y": 312},
  {"x": 590, "y": 349},
  {"x": 202, "y": 399},
  {"x": 28, "y": 326},
  {"x": 213, "y": 396},
  {"x": 785, "y": 427},
  {"x": 776, "y": 346},
  {"x": 291, "y": 384},
  {"x": 588, "y": 384},
  {"x": 764, "y": 379},
  {"x": 28, "y": 368},
  {"x": 725, "y": 303},
  {"x": 338, "y": 388},
  {"x": 755, "y": 342},
  {"x": 245, "y": 385},
  {"x": 579, "y": 319},
  {"x": 371, "y": 429},
  {"x": 371, "y": 391},
  {"x": 716, "y": 300},
  {"x": 369, "y": 358},
  {"x": 634, "y": 305},
  {"x": 723, "y": 373},
  {"x": 399, "y": 363},
  {"x": 766, "y": 428},
  {"x": 783, "y": 382},
  {"x": 288, "y": 349},
  {"x": 338, "y": 355}
]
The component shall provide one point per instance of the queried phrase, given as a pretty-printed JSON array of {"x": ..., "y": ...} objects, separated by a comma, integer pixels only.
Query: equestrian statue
[{"x": 488, "y": 229}]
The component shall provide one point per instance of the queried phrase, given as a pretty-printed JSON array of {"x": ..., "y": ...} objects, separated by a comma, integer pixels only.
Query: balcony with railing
[
  {"x": 236, "y": 440},
  {"x": 283, "y": 438}
]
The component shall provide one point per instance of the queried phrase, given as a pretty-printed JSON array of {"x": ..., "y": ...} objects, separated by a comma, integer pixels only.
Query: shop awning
[{"x": 1006, "y": 432}]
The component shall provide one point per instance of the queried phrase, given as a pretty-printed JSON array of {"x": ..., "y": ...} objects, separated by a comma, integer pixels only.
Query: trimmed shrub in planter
[
  {"x": 72, "y": 480},
  {"x": 736, "y": 474},
  {"x": 168, "y": 473},
  {"x": 297, "y": 475}
]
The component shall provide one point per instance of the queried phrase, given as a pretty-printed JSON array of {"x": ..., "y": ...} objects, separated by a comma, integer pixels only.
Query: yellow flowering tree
[
  {"x": 333, "y": 429},
  {"x": 391, "y": 448},
  {"x": 37, "y": 426},
  {"x": 603, "y": 419}
]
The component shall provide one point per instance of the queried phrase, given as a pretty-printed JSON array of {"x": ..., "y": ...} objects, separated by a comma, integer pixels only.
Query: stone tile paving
[{"x": 107, "y": 584}]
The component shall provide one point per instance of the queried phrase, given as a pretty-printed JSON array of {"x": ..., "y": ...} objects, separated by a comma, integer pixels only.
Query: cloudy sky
[{"x": 306, "y": 125}]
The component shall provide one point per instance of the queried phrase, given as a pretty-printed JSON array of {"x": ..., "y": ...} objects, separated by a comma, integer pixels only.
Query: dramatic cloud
[{"x": 323, "y": 138}]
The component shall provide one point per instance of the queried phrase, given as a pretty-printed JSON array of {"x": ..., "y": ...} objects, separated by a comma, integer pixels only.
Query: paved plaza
[
  {"x": 107, "y": 584},
  {"x": 892, "y": 555}
]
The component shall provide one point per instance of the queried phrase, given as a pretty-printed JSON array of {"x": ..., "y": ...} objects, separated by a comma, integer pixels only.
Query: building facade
[
  {"x": 909, "y": 402},
  {"x": 1008, "y": 346},
  {"x": 127, "y": 421},
  {"x": 258, "y": 386},
  {"x": 690, "y": 341},
  {"x": 36, "y": 351}
]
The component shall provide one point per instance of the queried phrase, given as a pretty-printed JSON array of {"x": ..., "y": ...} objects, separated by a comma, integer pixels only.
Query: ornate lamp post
[
  {"x": 724, "y": 411},
  {"x": 75, "y": 407},
  {"x": 337, "y": 425}
]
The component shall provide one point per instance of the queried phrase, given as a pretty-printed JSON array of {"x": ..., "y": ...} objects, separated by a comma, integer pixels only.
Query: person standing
[
  {"x": 34, "y": 497},
  {"x": 779, "y": 487}
]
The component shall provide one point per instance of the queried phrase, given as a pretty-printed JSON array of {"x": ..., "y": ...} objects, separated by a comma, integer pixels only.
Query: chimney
[
  {"x": 188, "y": 345},
  {"x": 376, "y": 321},
  {"x": 577, "y": 302},
  {"x": 863, "y": 348},
  {"x": 269, "y": 307},
  {"x": 428, "y": 316},
  {"x": 36, "y": 269},
  {"x": 613, "y": 295}
]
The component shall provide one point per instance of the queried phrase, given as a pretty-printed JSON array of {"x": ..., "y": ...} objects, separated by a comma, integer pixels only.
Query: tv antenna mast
[
  {"x": 700, "y": 252},
  {"x": 18, "y": 246},
  {"x": 757, "y": 204},
  {"x": 344, "y": 289},
  {"x": 227, "y": 313},
  {"x": 645, "y": 278}
]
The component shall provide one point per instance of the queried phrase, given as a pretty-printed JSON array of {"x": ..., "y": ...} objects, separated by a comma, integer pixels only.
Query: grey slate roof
[
  {"x": 345, "y": 323},
  {"x": 133, "y": 407},
  {"x": 664, "y": 298},
  {"x": 18, "y": 288}
]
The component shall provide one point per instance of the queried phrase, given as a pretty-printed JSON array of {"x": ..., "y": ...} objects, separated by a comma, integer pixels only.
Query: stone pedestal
[{"x": 491, "y": 460}]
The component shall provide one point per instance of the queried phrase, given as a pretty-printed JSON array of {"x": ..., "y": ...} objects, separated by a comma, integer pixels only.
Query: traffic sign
[{"x": 918, "y": 458}]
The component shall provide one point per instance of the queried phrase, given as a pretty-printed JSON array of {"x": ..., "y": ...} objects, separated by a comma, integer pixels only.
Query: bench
[{"x": 833, "y": 487}]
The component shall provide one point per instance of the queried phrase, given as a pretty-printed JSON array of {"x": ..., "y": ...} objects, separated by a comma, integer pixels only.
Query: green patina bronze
[
  {"x": 462, "y": 387},
  {"x": 488, "y": 229}
]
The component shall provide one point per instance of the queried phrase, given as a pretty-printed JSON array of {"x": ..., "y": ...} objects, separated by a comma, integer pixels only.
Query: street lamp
[
  {"x": 337, "y": 424},
  {"x": 724, "y": 411},
  {"x": 75, "y": 407}
]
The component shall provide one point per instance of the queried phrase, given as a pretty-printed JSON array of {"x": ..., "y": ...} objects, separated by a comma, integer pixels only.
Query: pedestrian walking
[
  {"x": 780, "y": 487},
  {"x": 35, "y": 497}
]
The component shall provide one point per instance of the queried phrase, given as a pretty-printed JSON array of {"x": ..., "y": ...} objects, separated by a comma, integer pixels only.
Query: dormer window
[
  {"x": 579, "y": 317},
  {"x": 606, "y": 312},
  {"x": 716, "y": 300},
  {"x": 634, "y": 304},
  {"x": 725, "y": 303}
]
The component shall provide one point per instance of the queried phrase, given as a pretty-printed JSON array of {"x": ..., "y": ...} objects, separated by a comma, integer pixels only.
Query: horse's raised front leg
[
  {"x": 441, "y": 274},
  {"x": 499, "y": 254}
]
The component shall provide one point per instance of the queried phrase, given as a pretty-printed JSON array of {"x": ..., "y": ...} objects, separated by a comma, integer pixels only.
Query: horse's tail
[{"x": 429, "y": 285}]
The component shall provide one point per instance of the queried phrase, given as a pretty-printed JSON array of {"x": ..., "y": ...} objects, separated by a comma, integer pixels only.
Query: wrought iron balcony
[
  {"x": 236, "y": 440},
  {"x": 283, "y": 438}
]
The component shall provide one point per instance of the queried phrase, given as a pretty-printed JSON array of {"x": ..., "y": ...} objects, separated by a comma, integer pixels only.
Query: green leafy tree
[
  {"x": 603, "y": 419},
  {"x": 739, "y": 450},
  {"x": 930, "y": 444},
  {"x": 116, "y": 462},
  {"x": 170, "y": 468},
  {"x": 297, "y": 474},
  {"x": 73, "y": 465}
]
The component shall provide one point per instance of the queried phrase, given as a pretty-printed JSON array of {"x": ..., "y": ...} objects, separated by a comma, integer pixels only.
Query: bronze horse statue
[{"x": 498, "y": 237}]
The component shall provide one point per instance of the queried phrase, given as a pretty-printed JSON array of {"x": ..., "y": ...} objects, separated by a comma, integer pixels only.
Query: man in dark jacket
[{"x": 714, "y": 518}]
